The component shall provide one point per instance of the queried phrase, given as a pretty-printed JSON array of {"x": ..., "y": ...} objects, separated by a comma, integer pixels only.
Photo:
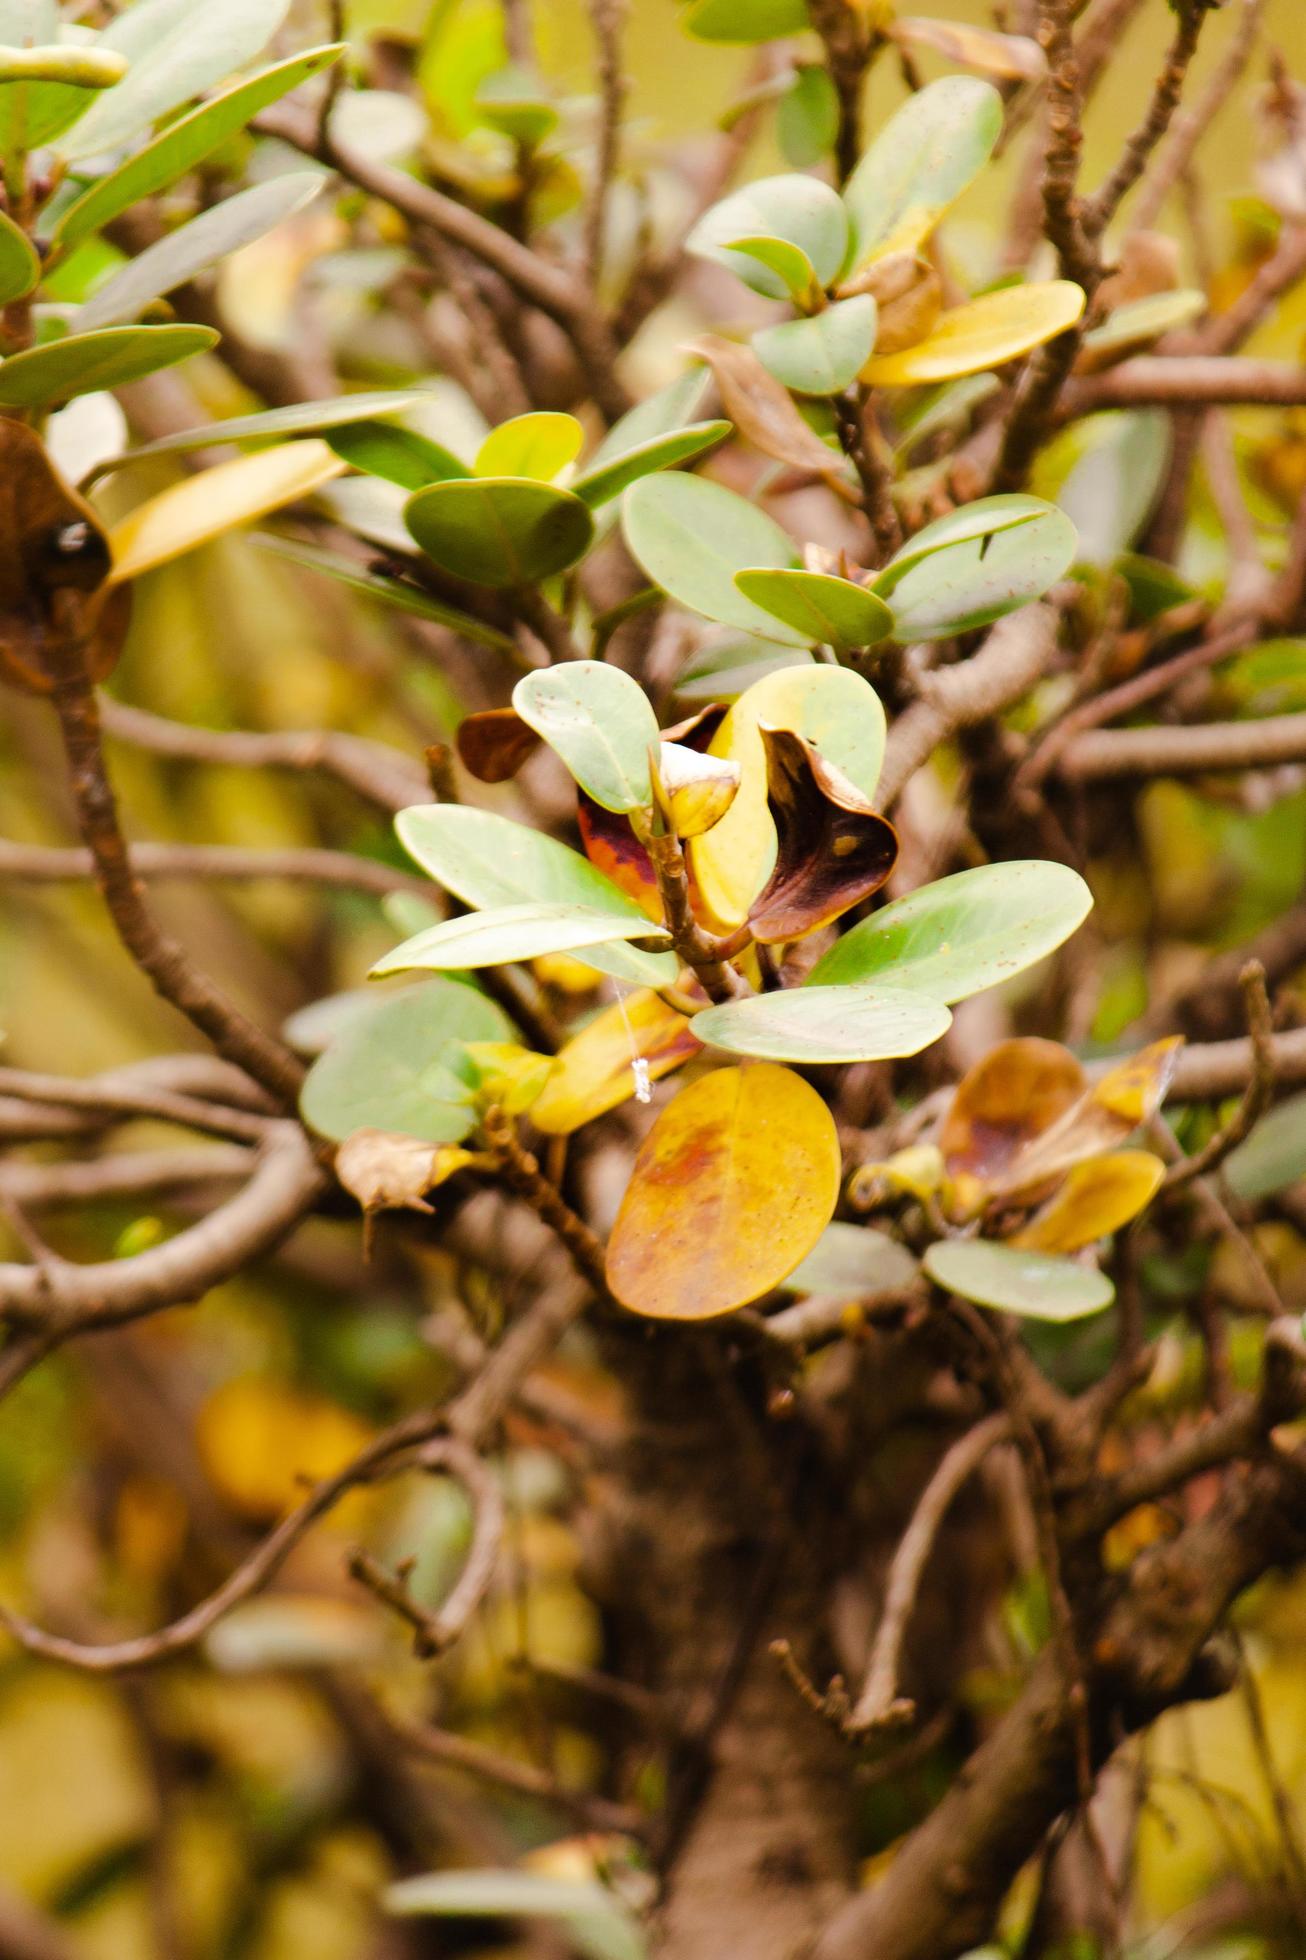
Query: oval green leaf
[
  {"x": 20, "y": 269},
  {"x": 510, "y": 932},
  {"x": 603, "y": 481},
  {"x": 954, "y": 938},
  {"x": 600, "y": 722},
  {"x": 399, "y": 455},
  {"x": 206, "y": 240},
  {"x": 83, "y": 363},
  {"x": 825, "y": 1024},
  {"x": 185, "y": 143},
  {"x": 176, "y": 51},
  {"x": 486, "y": 860},
  {"x": 800, "y": 211},
  {"x": 975, "y": 565},
  {"x": 499, "y": 530},
  {"x": 920, "y": 163},
  {"x": 830, "y": 611},
  {"x": 745, "y": 20},
  {"x": 853, "y": 1260},
  {"x": 395, "y": 1066},
  {"x": 538, "y": 446},
  {"x": 691, "y": 536},
  {"x": 824, "y": 354},
  {"x": 1035, "y": 1284}
]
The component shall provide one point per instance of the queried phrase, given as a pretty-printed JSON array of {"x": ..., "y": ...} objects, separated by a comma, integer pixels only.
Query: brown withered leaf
[
  {"x": 493, "y": 745},
  {"x": 1148, "y": 264},
  {"x": 387, "y": 1171},
  {"x": 1011, "y": 57},
  {"x": 908, "y": 295},
  {"x": 832, "y": 847},
  {"x": 55, "y": 607},
  {"x": 697, "y": 731},
  {"x": 1010, "y": 1097},
  {"x": 763, "y": 411}
]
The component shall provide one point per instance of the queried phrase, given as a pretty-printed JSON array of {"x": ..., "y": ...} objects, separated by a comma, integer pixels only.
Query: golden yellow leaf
[
  {"x": 986, "y": 333},
  {"x": 734, "y": 1185},
  {"x": 218, "y": 500},
  {"x": 261, "y": 1442},
  {"x": 1096, "y": 1199},
  {"x": 838, "y": 713},
  {"x": 594, "y": 1072}
]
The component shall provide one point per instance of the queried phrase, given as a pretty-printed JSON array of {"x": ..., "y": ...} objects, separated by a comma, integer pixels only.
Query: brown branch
[
  {"x": 435, "y": 1632},
  {"x": 124, "y": 1093},
  {"x": 1208, "y": 747},
  {"x": 134, "y": 1174},
  {"x": 857, "y": 441},
  {"x": 879, "y": 1705},
  {"x": 161, "y": 958},
  {"x": 41, "y": 864},
  {"x": 1188, "y": 129},
  {"x": 607, "y": 19},
  {"x": 1257, "y": 1095},
  {"x": 384, "y": 776},
  {"x": 1103, "y": 205},
  {"x": 1186, "y": 381},
  {"x": 459, "y": 1752},
  {"x": 521, "y": 1172},
  {"x": 1015, "y": 655}
]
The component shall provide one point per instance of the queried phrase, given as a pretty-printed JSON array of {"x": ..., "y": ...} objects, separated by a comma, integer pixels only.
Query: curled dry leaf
[
  {"x": 833, "y": 848},
  {"x": 763, "y": 412},
  {"x": 909, "y": 298},
  {"x": 594, "y": 1072},
  {"x": 1148, "y": 264},
  {"x": 389, "y": 1172},
  {"x": 1011, "y": 57},
  {"x": 55, "y": 605},
  {"x": 732, "y": 1188},
  {"x": 493, "y": 745},
  {"x": 693, "y": 790}
]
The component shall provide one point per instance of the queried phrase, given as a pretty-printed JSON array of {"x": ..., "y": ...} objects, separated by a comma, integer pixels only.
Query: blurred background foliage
[{"x": 231, "y": 1807}]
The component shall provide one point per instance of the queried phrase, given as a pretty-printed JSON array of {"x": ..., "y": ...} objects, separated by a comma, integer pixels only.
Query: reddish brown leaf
[
  {"x": 1013, "y": 1095},
  {"x": 833, "y": 847},
  {"x": 613, "y": 848},
  {"x": 493, "y": 745}
]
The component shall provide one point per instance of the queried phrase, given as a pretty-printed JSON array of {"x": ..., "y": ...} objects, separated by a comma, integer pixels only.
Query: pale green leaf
[
  {"x": 800, "y": 211},
  {"x": 1038, "y": 1285},
  {"x": 500, "y": 530},
  {"x": 825, "y": 1024},
  {"x": 829, "y": 611},
  {"x": 691, "y": 536},
  {"x": 85, "y": 362},
  {"x": 396, "y": 1066},
  {"x": 600, "y": 722},
  {"x": 919, "y": 164},
  {"x": 510, "y": 932},
  {"x": 822, "y": 355}
]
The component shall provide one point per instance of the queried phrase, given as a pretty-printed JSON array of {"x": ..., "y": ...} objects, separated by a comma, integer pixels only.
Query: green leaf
[
  {"x": 396, "y": 1066},
  {"x": 204, "y": 242},
  {"x": 976, "y": 564},
  {"x": 298, "y": 418},
  {"x": 825, "y": 1024},
  {"x": 826, "y": 610},
  {"x": 1112, "y": 489},
  {"x": 486, "y": 861},
  {"x": 691, "y": 537},
  {"x": 600, "y": 1925},
  {"x": 853, "y": 1259},
  {"x": 499, "y": 530},
  {"x": 85, "y": 362},
  {"x": 20, "y": 269},
  {"x": 514, "y": 103},
  {"x": 511, "y": 932},
  {"x": 387, "y": 591},
  {"x": 1140, "y": 322},
  {"x": 44, "y": 88},
  {"x": 800, "y": 211},
  {"x": 789, "y": 263},
  {"x": 1036, "y": 1284},
  {"x": 603, "y": 481},
  {"x": 399, "y": 455},
  {"x": 538, "y": 445},
  {"x": 600, "y": 722},
  {"x": 745, "y": 20},
  {"x": 824, "y": 354},
  {"x": 725, "y": 671},
  {"x": 176, "y": 51},
  {"x": 919, "y": 164},
  {"x": 1273, "y": 1156},
  {"x": 185, "y": 143},
  {"x": 807, "y": 121},
  {"x": 953, "y": 938},
  {"x": 659, "y": 415}
]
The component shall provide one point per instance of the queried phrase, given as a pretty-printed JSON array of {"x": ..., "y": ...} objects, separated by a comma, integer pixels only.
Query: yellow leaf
[
  {"x": 261, "y": 1443},
  {"x": 693, "y": 791},
  {"x": 508, "y": 1074},
  {"x": 986, "y": 333},
  {"x": 594, "y": 1072},
  {"x": 834, "y": 709},
  {"x": 1096, "y": 1199},
  {"x": 734, "y": 1185},
  {"x": 218, "y": 500}
]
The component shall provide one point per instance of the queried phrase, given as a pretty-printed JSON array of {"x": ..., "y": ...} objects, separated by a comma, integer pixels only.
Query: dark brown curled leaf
[
  {"x": 493, "y": 745},
  {"x": 833, "y": 848},
  {"x": 56, "y": 610}
]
